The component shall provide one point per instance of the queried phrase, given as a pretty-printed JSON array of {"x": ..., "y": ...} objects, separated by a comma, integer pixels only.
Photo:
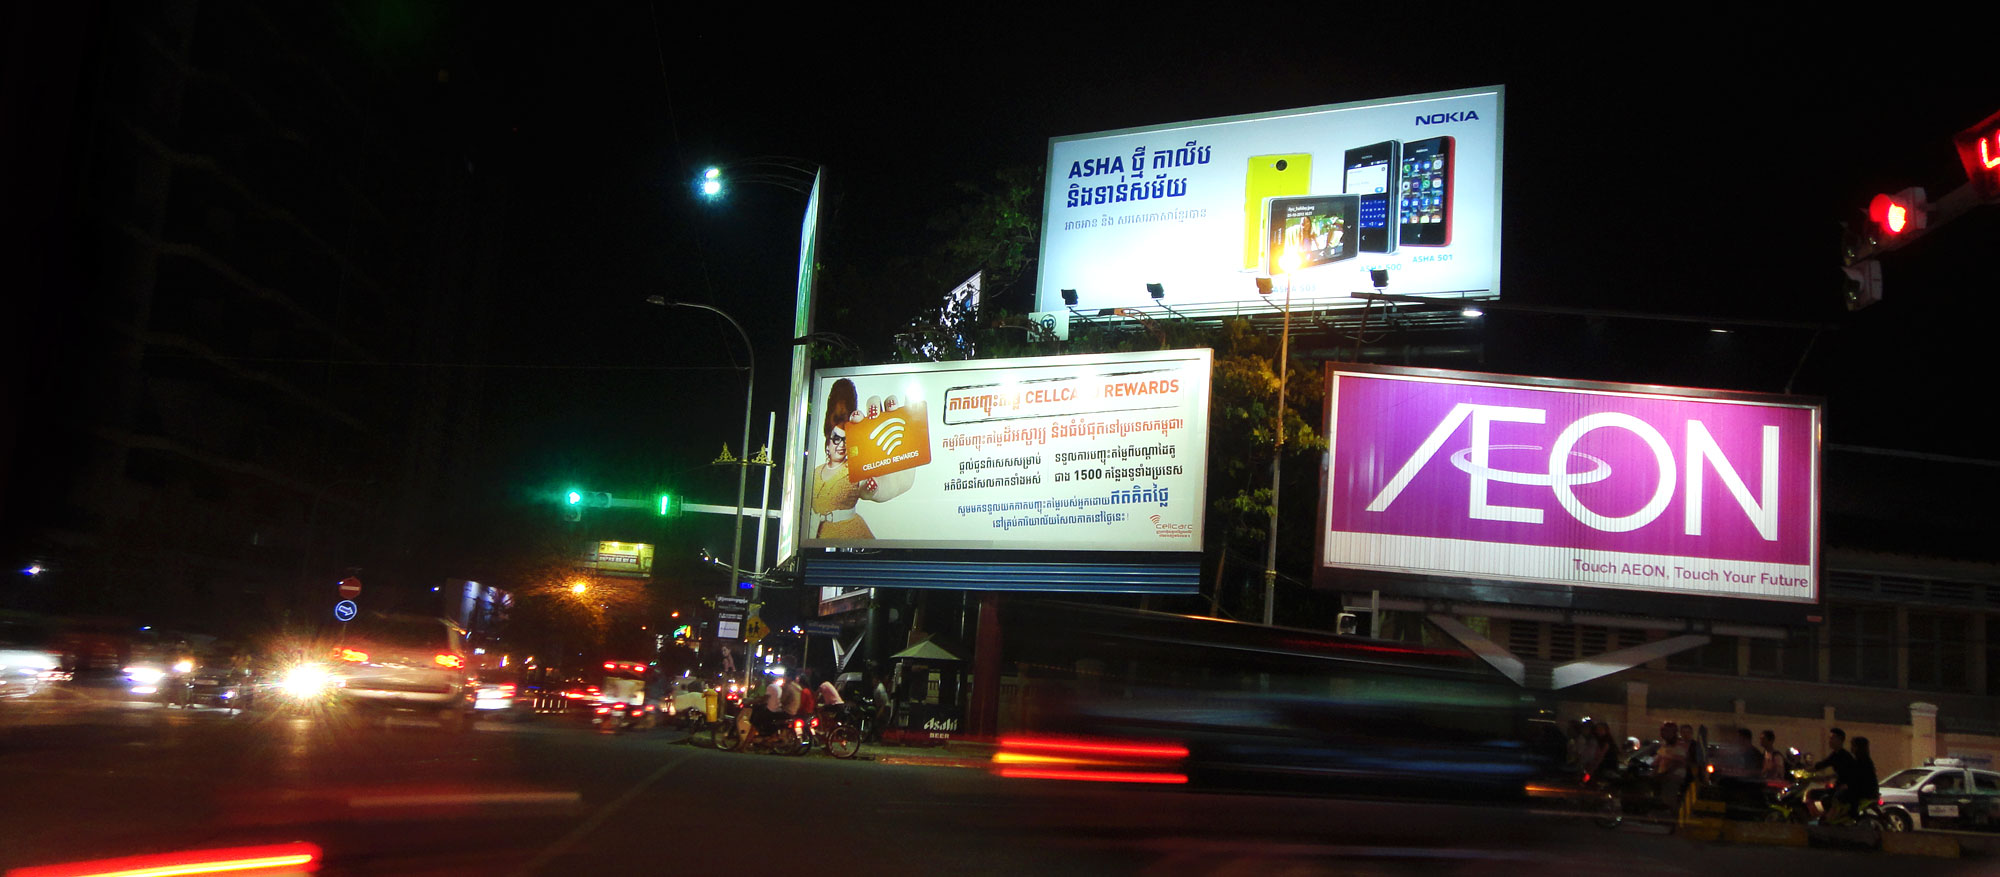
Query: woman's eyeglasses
[{"x": 837, "y": 438}]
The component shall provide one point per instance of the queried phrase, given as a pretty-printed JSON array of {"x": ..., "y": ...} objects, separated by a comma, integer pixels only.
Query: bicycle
[{"x": 838, "y": 732}]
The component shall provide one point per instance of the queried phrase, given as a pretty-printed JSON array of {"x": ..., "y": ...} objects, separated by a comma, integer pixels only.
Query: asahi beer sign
[{"x": 1590, "y": 485}]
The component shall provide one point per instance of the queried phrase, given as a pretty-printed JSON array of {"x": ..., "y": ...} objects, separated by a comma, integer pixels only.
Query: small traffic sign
[
  {"x": 345, "y": 610},
  {"x": 350, "y": 588},
  {"x": 757, "y": 630}
]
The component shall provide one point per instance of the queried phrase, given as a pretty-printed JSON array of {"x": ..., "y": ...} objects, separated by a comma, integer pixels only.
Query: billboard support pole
[{"x": 1277, "y": 460}]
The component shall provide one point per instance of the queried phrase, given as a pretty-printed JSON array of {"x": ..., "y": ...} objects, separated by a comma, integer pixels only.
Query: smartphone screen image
[
  {"x": 1425, "y": 193},
  {"x": 1311, "y": 230},
  {"x": 1371, "y": 172},
  {"x": 1270, "y": 176}
]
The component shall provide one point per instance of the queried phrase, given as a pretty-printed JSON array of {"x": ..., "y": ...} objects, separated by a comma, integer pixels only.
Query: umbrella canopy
[{"x": 929, "y": 649}]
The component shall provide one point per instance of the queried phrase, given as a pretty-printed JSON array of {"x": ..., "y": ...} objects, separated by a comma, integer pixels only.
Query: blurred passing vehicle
[
  {"x": 1221, "y": 704},
  {"x": 621, "y": 701},
  {"x": 29, "y": 658},
  {"x": 687, "y": 702},
  {"x": 384, "y": 663}
]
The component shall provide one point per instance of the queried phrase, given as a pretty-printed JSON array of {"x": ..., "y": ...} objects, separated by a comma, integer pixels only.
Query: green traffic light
[{"x": 575, "y": 498}]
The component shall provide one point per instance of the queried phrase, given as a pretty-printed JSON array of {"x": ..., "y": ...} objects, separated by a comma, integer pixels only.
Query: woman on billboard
[{"x": 835, "y": 494}]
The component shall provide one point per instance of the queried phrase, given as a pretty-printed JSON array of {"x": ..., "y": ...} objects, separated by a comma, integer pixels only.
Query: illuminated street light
[
  {"x": 749, "y": 388},
  {"x": 578, "y": 588}
]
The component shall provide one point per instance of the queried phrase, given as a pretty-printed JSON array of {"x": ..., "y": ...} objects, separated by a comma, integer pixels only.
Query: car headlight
[
  {"x": 145, "y": 675},
  {"x": 306, "y": 680},
  {"x": 184, "y": 667}
]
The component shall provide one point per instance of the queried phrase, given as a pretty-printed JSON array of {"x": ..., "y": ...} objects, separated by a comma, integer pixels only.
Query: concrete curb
[
  {"x": 933, "y": 760},
  {"x": 1916, "y": 843}
]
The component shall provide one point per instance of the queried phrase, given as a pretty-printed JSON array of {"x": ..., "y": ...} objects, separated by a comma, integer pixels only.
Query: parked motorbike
[{"x": 786, "y": 736}]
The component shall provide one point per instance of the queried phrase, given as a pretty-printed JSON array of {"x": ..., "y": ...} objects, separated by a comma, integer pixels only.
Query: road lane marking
[
  {"x": 446, "y": 800},
  {"x": 596, "y": 819}
]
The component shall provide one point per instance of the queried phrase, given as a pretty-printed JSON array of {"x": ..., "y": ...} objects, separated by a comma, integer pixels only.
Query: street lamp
[
  {"x": 807, "y": 178},
  {"x": 743, "y": 465}
]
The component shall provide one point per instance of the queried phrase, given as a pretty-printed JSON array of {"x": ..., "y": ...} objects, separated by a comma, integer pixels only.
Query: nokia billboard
[
  {"x": 1319, "y": 197},
  {"x": 1612, "y": 490}
]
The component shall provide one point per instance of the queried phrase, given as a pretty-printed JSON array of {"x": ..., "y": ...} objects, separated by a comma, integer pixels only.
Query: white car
[
  {"x": 1944, "y": 776},
  {"x": 27, "y": 662},
  {"x": 385, "y": 662}
]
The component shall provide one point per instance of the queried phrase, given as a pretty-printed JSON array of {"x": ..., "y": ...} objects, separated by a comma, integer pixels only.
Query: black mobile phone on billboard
[
  {"x": 1426, "y": 192},
  {"x": 1308, "y": 230},
  {"x": 1371, "y": 172}
]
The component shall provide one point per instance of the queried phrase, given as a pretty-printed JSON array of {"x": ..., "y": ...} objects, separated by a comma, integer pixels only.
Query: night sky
[
  {"x": 1682, "y": 163},
  {"x": 1673, "y": 166}
]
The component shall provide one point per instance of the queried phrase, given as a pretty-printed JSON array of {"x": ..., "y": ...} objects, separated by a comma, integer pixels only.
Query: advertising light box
[
  {"x": 1583, "y": 485},
  {"x": 1101, "y": 453},
  {"x": 1315, "y": 198}
]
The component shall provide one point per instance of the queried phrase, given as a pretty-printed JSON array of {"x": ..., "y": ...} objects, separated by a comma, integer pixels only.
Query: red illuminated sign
[{"x": 1979, "y": 150}]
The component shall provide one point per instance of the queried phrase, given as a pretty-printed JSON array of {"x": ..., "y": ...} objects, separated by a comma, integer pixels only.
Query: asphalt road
[{"x": 93, "y": 780}]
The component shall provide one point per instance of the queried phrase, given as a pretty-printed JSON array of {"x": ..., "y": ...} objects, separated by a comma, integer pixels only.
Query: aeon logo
[
  {"x": 888, "y": 435},
  {"x": 1702, "y": 451}
]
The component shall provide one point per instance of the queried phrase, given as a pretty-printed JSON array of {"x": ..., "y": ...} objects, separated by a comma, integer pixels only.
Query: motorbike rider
[
  {"x": 764, "y": 716},
  {"x": 829, "y": 699},
  {"x": 1670, "y": 764},
  {"x": 1853, "y": 777},
  {"x": 789, "y": 697}
]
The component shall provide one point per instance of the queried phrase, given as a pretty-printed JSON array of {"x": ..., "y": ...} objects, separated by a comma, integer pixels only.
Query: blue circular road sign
[{"x": 345, "y": 610}]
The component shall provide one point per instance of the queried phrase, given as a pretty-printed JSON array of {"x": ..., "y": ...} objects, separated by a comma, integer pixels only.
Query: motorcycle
[{"x": 786, "y": 736}]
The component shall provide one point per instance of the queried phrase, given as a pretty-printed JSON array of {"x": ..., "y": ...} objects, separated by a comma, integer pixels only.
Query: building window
[
  {"x": 1937, "y": 644},
  {"x": 1796, "y": 657},
  {"x": 1719, "y": 656},
  {"x": 1862, "y": 645}
]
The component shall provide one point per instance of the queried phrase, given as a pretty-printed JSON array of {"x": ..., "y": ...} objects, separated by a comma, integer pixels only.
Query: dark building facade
[{"x": 258, "y": 233}]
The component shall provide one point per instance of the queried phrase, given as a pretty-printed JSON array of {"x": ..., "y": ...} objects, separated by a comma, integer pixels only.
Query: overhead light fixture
[
  {"x": 1379, "y": 277},
  {"x": 1471, "y": 313},
  {"x": 1263, "y": 286},
  {"x": 1156, "y": 291},
  {"x": 1069, "y": 297}
]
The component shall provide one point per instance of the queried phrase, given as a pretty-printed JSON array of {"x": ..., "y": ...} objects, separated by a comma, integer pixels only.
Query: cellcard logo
[
  {"x": 888, "y": 435},
  {"x": 1443, "y": 118},
  {"x": 1564, "y": 469}
]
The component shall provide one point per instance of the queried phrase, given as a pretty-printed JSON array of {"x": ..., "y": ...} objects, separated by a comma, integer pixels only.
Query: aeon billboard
[{"x": 1607, "y": 486}]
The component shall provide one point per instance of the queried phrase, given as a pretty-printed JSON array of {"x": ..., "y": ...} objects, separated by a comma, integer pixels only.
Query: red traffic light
[
  {"x": 1979, "y": 150},
  {"x": 1902, "y": 212}
]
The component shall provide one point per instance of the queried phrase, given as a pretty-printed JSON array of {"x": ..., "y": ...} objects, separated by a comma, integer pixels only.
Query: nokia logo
[{"x": 1441, "y": 118}]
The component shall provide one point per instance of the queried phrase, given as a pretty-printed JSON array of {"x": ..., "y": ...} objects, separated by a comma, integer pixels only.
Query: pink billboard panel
[{"x": 1655, "y": 489}]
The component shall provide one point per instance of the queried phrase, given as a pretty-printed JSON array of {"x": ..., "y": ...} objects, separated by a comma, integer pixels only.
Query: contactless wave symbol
[
  {"x": 1156, "y": 519},
  {"x": 1463, "y": 460},
  {"x": 888, "y": 435}
]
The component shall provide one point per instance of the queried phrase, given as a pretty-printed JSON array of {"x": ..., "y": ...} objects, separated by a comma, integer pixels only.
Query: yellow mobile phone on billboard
[{"x": 1271, "y": 176}]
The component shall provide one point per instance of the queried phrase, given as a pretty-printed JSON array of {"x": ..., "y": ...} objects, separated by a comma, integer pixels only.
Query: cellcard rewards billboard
[
  {"x": 1603, "y": 486},
  {"x": 1319, "y": 197},
  {"x": 1080, "y": 453}
]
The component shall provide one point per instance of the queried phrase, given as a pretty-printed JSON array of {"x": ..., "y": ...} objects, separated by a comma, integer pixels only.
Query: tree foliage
[{"x": 996, "y": 230}]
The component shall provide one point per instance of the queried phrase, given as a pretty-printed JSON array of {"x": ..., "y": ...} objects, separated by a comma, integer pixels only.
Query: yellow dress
[{"x": 834, "y": 497}]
